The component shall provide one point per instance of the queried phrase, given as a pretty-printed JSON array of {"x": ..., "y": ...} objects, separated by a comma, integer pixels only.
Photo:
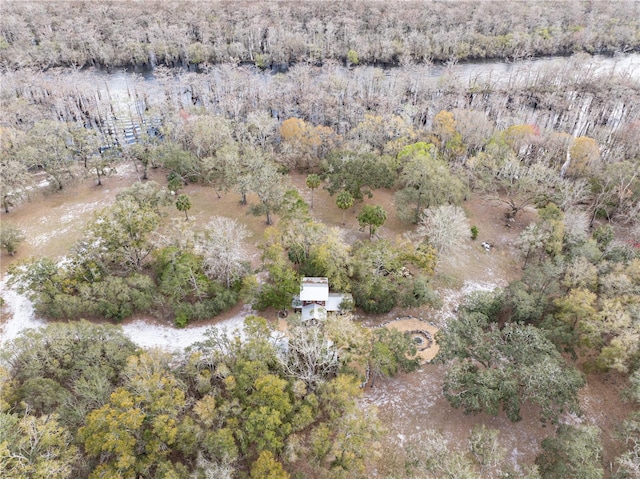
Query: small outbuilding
[{"x": 315, "y": 300}]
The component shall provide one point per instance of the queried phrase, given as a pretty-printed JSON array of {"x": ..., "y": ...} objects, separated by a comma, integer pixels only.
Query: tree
[
  {"x": 270, "y": 186},
  {"x": 344, "y": 201},
  {"x": 428, "y": 182},
  {"x": 493, "y": 368},
  {"x": 576, "y": 308},
  {"x": 344, "y": 443},
  {"x": 148, "y": 194},
  {"x": 352, "y": 57},
  {"x": 615, "y": 191},
  {"x": 485, "y": 449},
  {"x": 175, "y": 182},
  {"x": 134, "y": 433},
  {"x": 143, "y": 152},
  {"x": 373, "y": 216},
  {"x": 517, "y": 185},
  {"x": 46, "y": 148},
  {"x": 85, "y": 145},
  {"x": 629, "y": 461},
  {"x": 388, "y": 133},
  {"x": 184, "y": 167},
  {"x": 393, "y": 351},
  {"x": 284, "y": 281},
  {"x": 267, "y": 467},
  {"x": 313, "y": 181},
  {"x": 310, "y": 355},
  {"x": 180, "y": 276},
  {"x": 84, "y": 360},
  {"x": 267, "y": 415},
  {"x": 183, "y": 203},
  {"x": 432, "y": 454},
  {"x": 15, "y": 182},
  {"x": 10, "y": 237},
  {"x": 444, "y": 227},
  {"x": 120, "y": 236},
  {"x": 222, "y": 246},
  {"x": 36, "y": 447},
  {"x": 377, "y": 276},
  {"x": 475, "y": 128},
  {"x": 521, "y": 138},
  {"x": 446, "y": 135},
  {"x": 239, "y": 168},
  {"x": 316, "y": 250},
  {"x": 260, "y": 127},
  {"x": 531, "y": 242},
  {"x": 357, "y": 173},
  {"x": 204, "y": 135},
  {"x": 573, "y": 453},
  {"x": 300, "y": 140},
  {"x": 582, "y": 158}
]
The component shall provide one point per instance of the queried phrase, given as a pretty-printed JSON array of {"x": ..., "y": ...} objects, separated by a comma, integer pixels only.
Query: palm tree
[
  {"x": 183, "y": 203},
  {"x": 313, "y": 181},
  {"x": 344, "y": 200}
]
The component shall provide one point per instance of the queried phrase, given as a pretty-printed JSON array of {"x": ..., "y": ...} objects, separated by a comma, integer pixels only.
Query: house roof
[
  {"x": 314, "y": 289},
  {"x": 335, "y": 300},
  {"x": 314, "y": 311}
]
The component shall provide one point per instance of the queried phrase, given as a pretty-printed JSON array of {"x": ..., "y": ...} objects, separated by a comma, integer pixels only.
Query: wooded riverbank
[{"x": 43, "y": 35}]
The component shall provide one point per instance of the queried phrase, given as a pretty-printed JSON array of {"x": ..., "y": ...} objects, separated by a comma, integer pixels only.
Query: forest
[{"x": 472, "y": 164}]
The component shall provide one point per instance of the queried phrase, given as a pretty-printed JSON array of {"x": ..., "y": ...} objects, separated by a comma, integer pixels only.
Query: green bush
[
  {"x": 118, "y": 298},
  {"x": 417, "y": 292},
  {"x": 376, "y": 295},
  {"x": 205, "y": 309}
]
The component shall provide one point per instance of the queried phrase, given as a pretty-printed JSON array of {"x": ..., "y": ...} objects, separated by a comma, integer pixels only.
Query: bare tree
[
  {"x": 309, "y": 355},
  {"x": 444, "y": 227},
  {"x": 222, "y": 245}
]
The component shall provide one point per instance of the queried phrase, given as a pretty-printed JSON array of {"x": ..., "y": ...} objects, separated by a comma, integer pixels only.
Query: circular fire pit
[{"x": 422, "y": 332}]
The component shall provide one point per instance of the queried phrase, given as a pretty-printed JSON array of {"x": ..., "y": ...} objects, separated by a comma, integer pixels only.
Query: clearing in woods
[{"x": 408, "y": 404}]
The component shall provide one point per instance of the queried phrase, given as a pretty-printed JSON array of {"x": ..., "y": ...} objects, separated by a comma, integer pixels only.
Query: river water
[
  {"x": 122, "y": 85},
  {"x": 131, "y": 95},
  {"x": 620, "y": 62},
  {"x": 121, "y": 82}
]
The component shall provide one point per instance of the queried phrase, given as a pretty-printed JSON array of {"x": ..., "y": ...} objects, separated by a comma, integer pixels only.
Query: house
[{"x": 315, "y": 300}]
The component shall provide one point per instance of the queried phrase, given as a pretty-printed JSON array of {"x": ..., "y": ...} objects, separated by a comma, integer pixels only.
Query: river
[
  {"x": 120, "y": 83},
  {"x": 339, "y": 97}
]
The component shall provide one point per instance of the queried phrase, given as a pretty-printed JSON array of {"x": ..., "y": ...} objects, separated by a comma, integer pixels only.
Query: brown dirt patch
[
  {"x": 52, "y": 222},
  {"x": 326, "y": 211}
]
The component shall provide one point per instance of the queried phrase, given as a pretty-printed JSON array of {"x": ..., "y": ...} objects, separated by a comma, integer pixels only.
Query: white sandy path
[
  {"x": 144, "y": 334},
  {"x": 155, "y": 335},
  {"x": 21, "y": 314}
]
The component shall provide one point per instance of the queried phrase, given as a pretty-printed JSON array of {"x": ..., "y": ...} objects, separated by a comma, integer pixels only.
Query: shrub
[
  {"x": 376, "y": 295},
  {"x": 417, "y": 293},
  {"x": 10, "y": 237}
]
